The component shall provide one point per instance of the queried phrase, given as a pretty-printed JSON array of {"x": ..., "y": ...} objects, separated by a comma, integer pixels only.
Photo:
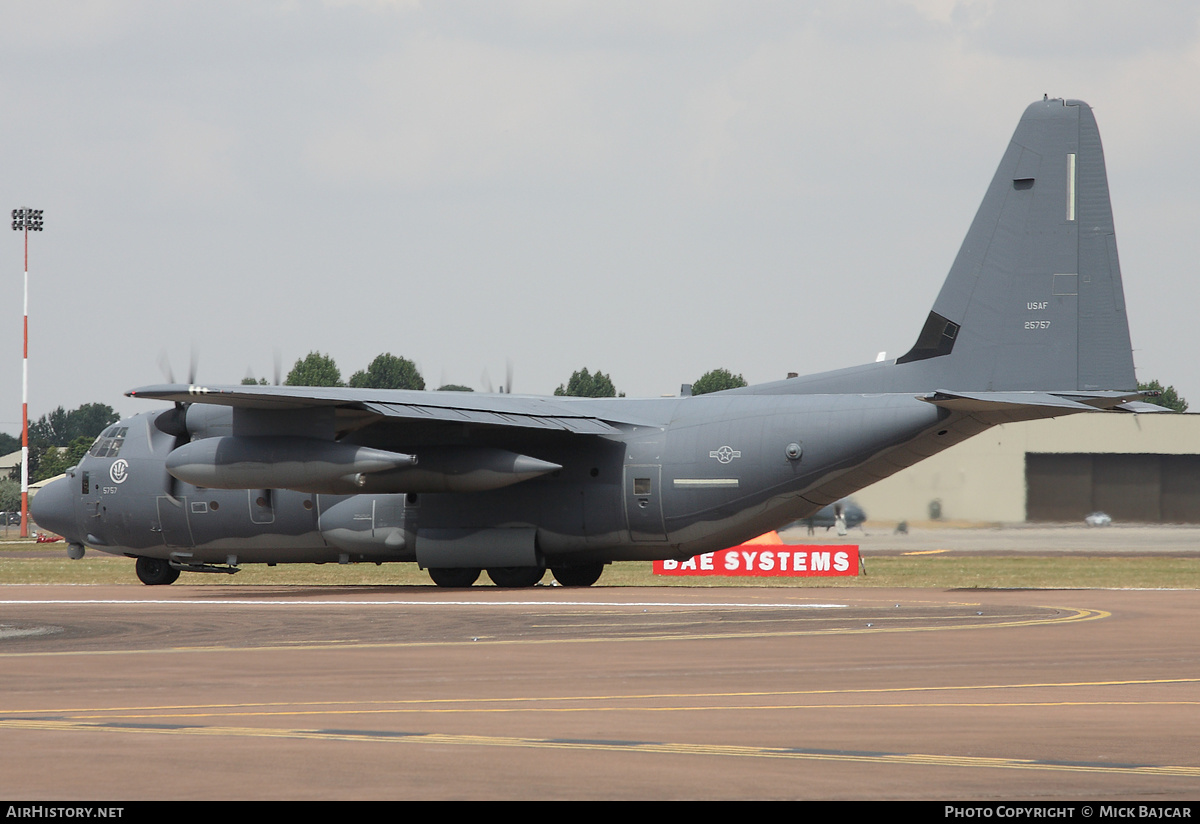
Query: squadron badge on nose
[{"x": 119, "y": 471}]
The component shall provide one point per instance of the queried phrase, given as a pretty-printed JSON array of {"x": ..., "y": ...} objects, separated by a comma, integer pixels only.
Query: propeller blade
[{"x": 164, "y": 365}]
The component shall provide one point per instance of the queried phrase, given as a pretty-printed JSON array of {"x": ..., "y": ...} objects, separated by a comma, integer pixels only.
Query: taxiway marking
[
  {"x": 226, "y": 602},
  {"x": 423, "y": 704},
  {"x": 630, "y": 746},
  {"x": 1066, "y": 615}
]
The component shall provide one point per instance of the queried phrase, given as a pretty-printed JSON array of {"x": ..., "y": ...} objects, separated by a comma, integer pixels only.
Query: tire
[
  {"x": 579, "y": 575},
  {"x": 155, "y": 572},
  {"x": 453, "y": 576},
  {"x": 515, "y": 577}
]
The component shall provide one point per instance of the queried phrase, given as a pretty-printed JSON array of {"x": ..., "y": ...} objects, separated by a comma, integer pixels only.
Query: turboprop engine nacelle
[{"x": 302, "y": 464}]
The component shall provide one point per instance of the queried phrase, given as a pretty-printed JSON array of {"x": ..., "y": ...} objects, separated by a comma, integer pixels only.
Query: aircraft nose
[{"x": 53, "y": 509}]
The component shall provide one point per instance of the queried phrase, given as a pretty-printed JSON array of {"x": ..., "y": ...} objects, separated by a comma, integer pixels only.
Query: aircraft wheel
[
  {"x": 515, "y": 576},
  {"x": 580, "y": 575},
  {"x": 453, "y": 577},
  {"x": 155, "y": 572}
]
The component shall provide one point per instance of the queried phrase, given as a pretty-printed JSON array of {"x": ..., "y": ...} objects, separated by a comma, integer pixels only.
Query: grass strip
[{"x": 940, "y": 572}]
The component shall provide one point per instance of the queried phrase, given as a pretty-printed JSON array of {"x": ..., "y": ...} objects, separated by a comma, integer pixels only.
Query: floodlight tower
[{"x": 25, "y": 220}]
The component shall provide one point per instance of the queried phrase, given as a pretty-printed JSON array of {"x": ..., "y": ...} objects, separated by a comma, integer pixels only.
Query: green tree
[
  {"x": 584, "y": 385},
  {"x": 1167, "y": 397},
  {"x": 10, "y": 495},
  {"x": 250, "y": 381},
  {"x": 88, "y": 421},
  {"x": 57, "y": 459},
  {"x": 388, "y": 372},
  {"x": 716, "y": 381},
  {"x": 60, "y": 429},
  {"x": 454, "y": 387},
  {"x": 9, "y": 443},
  {"x": 315, "y": 370},
  {"x": 50, "y": 429}
]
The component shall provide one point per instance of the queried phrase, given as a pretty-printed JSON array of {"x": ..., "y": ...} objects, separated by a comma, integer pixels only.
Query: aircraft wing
[{"x": 519, "y": 411}]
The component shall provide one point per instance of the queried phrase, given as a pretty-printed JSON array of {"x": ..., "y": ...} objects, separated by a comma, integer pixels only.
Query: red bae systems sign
[{"x": 767, "y": 557}]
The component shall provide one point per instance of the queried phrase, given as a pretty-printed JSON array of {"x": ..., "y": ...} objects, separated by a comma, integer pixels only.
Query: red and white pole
[
  {"x": 25, "y": 220},
  {"x": 25, "y": 404}
]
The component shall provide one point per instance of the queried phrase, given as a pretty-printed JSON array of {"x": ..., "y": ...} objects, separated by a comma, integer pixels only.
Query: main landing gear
[
  {"x": 501, "y": 576},
  {"x": 578, "y": 575},
  {"x": 451, "y": 577},
  {"x": 514, "y": 577}
]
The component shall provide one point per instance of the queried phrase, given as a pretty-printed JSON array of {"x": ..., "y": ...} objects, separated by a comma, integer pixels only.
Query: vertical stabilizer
[{"x": 1034, "y": 300}]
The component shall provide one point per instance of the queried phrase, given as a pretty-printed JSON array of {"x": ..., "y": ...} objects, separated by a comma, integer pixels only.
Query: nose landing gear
[{"x": 156, "y": 572}]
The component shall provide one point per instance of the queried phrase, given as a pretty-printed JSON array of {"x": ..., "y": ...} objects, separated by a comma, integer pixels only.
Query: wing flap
[{"x": 582, "y": 425}]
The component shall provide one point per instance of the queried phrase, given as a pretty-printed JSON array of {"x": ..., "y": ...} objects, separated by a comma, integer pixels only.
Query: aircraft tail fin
[{"x": 1034, "y": 299}]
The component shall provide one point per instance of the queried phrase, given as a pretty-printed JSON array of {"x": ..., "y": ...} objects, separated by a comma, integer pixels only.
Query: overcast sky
[{"x": 648, "y": 189}]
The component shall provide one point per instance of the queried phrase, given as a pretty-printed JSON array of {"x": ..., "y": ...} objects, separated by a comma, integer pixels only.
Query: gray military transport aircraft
[{"x": 1030, "y": 323}]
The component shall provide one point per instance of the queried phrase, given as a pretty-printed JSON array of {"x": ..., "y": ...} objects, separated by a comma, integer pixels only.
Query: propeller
[
  {"x": 174, "y": 421},
  {"x": 508, "y": 379},
  {"x": 164, "y": 364},
  {"x": 278, "y": 363}
]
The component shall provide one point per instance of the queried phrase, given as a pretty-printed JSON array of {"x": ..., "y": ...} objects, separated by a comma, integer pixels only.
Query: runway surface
[{"x": 209, "y": 692}]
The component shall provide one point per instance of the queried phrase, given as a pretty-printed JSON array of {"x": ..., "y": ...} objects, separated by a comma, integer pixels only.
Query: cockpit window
[{"x": 108, "y": 445}]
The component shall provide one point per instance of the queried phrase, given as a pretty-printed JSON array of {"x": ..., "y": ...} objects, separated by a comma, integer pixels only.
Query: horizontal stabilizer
[
  {"x": 1141, "y": 407},
  {"x": 1042, "y": 404}
]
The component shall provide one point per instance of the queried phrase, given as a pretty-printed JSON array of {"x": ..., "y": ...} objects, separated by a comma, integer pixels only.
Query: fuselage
[{"x": 693, "y": 475}]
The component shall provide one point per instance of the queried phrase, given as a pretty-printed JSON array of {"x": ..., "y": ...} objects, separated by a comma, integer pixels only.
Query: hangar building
[{"x": 1137, "y": 468}]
